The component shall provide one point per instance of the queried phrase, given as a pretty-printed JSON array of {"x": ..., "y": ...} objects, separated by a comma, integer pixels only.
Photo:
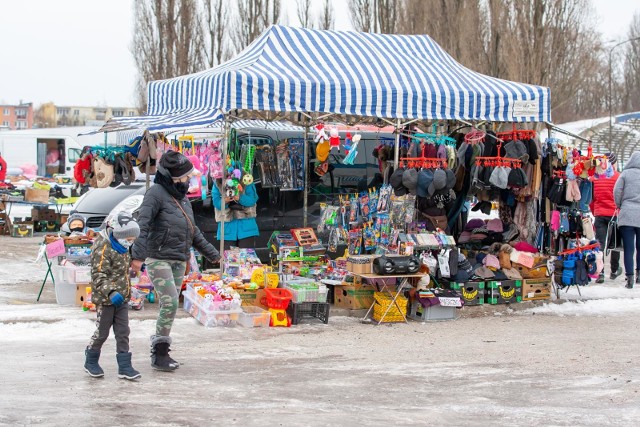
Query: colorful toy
[
  {"x": 87, "y": 304},
  {"x": 321, "y": 135},
  {"x": 334, "y": 138},
  {"x": 277, "y": 300}
]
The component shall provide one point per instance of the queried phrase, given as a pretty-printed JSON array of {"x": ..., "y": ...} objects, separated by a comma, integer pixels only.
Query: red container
[{"x": 278, "y": 297}]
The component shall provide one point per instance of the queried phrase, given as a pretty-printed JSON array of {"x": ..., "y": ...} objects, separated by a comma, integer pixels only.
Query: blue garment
[
  {"x": 116, "y": 245},
  {"x": 237, "y": 229}
]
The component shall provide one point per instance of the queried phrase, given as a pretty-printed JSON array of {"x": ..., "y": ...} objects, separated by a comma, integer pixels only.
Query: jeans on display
[{"x": 631, "y": 244}]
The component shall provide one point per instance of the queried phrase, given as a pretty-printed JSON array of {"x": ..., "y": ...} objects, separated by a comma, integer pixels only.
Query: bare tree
[
  {"x": 326, "y": 19},
  {"x": 254, "y": 16},
  {"x": 362, "y": 15},
  {"x": 303, "y": 11},
  {"x": 215, "y": 17},
  {"x": 167, "y": 41},
  {"x": 375, "y": 16}
]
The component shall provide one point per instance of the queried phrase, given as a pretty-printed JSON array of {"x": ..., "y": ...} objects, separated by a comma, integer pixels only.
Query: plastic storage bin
[
  {"x": 208, "y": 316},
  {"x": 303, "y": 310},
  {"x": 307, "y": 291},
  {"x": 65, "y": 292},
  {"x": 252, "y": 316},
  {"x": 432, "y": 313}
]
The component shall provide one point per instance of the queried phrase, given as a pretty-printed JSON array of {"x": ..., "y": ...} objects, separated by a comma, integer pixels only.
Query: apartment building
[
  {"x": 80, "y": 116},
  {"x": 13, "y": 117}
]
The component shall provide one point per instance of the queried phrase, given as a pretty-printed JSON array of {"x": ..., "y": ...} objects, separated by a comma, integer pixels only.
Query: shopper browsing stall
[
  {"x": 603, "y": 208},
  {"x": 627, "y": 196},
  {"x": 239, "y": 214},
  {"x": 167, "y": 232},
  {"x": 110, "y": 291}
]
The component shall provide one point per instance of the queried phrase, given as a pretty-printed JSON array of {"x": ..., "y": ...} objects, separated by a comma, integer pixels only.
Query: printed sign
[
  {"x": 525, "y": 108},
  {"x": 55, "y": 249}
]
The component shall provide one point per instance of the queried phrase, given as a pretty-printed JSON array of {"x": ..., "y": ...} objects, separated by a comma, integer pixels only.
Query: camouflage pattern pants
[{"x": 166, "y": 277}]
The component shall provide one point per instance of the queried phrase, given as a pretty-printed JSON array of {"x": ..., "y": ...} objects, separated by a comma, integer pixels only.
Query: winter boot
[
  {"x": 160, "y": 359},
  {"x": 125, "y": 370},
  {"x": 600, "y": 278},
  {"x": 638, "y": 276},
  {"x": 615, "y": 274},
  {"x": 91, "y": 365},
  {"x": 629, "y": 284}
]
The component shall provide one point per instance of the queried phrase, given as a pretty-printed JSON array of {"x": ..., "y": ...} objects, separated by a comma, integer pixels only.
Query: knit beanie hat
[
  {"x": 76, "y": 217},
  {"x": 176, "y": 164},
  {"x": 124, "y": 226}
]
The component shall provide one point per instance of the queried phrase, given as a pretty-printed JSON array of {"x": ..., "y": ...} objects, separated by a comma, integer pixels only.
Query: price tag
[{"x": 450, "y": 302}]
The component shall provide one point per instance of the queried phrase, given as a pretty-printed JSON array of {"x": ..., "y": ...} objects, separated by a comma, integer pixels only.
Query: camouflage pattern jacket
[{"x": 109, "y": 272}]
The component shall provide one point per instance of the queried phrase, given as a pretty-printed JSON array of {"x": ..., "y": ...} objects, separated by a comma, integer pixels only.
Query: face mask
[
  {"x": 182, "y": 187},
  {"x": 77, "y": 229},
  {"x": 125, "y": 243}
]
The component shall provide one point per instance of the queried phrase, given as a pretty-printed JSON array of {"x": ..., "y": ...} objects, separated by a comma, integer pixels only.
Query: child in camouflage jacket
[{"x": 110, "y": 292}]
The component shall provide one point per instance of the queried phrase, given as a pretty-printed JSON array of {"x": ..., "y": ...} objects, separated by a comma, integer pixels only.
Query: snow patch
[{"x": 598, "y": 307}]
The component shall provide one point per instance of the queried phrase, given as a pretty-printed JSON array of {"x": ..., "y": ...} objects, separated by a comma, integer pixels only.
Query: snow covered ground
[{"x": 565, "y": 363}]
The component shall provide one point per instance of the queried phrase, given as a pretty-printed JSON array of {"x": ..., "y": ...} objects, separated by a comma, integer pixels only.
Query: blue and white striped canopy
[{"x": 342, "y": 72}]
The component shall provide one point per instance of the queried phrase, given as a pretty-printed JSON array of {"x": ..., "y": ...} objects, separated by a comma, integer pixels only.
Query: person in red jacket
[
  {"x": 3, "y": 169},
  {"x": 603, "y": 208}
]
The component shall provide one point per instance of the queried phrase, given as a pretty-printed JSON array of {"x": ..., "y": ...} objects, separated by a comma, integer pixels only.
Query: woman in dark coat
[{"x": 167, "y": 232}]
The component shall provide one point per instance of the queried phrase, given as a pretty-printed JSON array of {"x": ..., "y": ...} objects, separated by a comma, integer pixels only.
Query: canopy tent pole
[
  {"x": 225, "y": 142},
  {"x": 397, "y": 146},
  {"x": 305, "y": 206}
]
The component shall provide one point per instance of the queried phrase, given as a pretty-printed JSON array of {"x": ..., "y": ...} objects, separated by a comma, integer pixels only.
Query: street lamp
[{"x": 610, "y": 79}]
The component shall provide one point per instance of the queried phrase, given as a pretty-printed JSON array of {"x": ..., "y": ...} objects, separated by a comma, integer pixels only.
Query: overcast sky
[{"x": 76, "y": 52}]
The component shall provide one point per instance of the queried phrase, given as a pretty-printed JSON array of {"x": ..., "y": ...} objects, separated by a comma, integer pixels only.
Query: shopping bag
[{"x": 612, "y": 240}]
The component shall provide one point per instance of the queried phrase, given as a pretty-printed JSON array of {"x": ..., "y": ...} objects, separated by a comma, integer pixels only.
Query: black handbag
[{"x": 612, "y": 241}]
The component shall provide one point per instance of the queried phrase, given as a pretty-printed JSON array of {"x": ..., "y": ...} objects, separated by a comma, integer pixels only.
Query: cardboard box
[
  {"x": 538, "y": 271},
  {"x": 472, "y": 293},
  {"x": 505, "y": 292},
  {"x": 36, "y": 195},
  {"x": 353, "y": 297},
  {"x": 536, "y": 289},
  {"x": 364, "y": 264},
  {"x": 22, "y": 230},
  {"x": 248, "y": 296},
  {"x": 81, "y": 293}
]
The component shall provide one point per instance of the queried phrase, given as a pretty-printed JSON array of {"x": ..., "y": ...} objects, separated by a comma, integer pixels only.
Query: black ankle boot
[
  {"x": 638, "y": 276},
  {"x": 160, "y": 359},
  {"x": 629, "y": 284}
]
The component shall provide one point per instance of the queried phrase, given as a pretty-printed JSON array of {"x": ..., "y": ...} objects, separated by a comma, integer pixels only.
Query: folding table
[{"x": 383, "y": 285}]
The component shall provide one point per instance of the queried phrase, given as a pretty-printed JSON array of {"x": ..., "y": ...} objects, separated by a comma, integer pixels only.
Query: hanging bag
[{"x": 612, "y": 239}]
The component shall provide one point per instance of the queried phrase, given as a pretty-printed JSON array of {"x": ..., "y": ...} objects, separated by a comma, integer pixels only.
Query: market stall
[{"x": 311, "y": 77}]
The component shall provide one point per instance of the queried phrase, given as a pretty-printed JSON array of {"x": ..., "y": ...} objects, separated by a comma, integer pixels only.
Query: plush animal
[
  {"x": 347, "y": 142},
  {"x": 320, "y": 132},
  {"x": 334, "y": 138}
]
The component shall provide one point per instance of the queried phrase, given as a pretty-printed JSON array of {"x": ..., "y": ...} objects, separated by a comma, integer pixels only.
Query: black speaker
[{"x": 396, "y": 265}]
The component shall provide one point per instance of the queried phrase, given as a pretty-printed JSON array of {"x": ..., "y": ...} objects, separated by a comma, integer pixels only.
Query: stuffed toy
[
  {"x": 215, "y": 160},
  {"x": 348, "y": 160},
  {"x": 320, "y": 133},
  {"x": 348, "y": 142},
  {"x": 334, "y": 138}
]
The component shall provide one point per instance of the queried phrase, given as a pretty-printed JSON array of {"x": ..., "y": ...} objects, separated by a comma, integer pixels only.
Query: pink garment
[
  {"x": 525, "y": 247},
  {"x": 573, "y": 191},
  {"x": 555, "y": 221}
]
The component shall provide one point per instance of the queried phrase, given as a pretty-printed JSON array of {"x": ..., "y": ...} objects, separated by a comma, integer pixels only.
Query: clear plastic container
[
  {"x": 252, "y": 316},
  {"x": 307, "y": 292},
  {"x": 208, "y": 317},
  {"x": 71, "y": 273},
  {"x": 65, "y": 292}
]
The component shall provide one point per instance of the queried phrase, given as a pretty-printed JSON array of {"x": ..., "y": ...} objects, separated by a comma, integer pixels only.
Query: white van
[{"x": 63, "y": 145}]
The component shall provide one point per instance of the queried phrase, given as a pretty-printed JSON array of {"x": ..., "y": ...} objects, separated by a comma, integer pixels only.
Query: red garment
[
  {"x": 603, "y": 203},
  {"x": 3, "y": 169}
]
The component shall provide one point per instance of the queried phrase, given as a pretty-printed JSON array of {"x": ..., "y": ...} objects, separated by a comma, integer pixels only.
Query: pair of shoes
[
  {"x": 600, "y": 278},
  {"x": 160, "y": 358},
  {"x": 125, "y": 370},
  {"x": 615, "y": 274},
  {"x": 629, "y": 284}
]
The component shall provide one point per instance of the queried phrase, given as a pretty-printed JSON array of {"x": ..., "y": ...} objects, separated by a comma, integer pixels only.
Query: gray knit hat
[{"x": 124, "y": 226}]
